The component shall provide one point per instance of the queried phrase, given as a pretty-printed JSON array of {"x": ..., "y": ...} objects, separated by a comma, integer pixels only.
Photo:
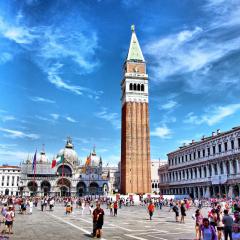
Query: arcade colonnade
[{"x": 63, "y": 187}]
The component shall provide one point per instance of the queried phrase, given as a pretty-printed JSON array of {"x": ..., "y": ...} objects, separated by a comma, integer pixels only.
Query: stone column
[
  {"x": 231, "y": 167},
  {"x": 207, "y": 170},
  {"x": 230, "y": 191},
  {"x": 207, "y": 192},
  {"x": 218, "y": 168},
  {"x": 202, "y": 168},
  {"x": 194, "y": 175},
  {"x": 224, "y": 168},
  {"x": 198, "y": 173},
  {"x": 237, "y": 166},
  {"x": 199, "y": 192}
]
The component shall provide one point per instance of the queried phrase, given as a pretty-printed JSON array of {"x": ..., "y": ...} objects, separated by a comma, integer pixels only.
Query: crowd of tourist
[{"x": 222, "y": 220}]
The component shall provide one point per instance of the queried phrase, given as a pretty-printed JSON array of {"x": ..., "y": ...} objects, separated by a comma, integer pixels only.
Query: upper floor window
[
  {"x": 214, "y": 149},
  {"x": 186, "y": 158},
  {"x": 142, "y": 87},
  {"x": 232, "y": 144},
  {"x": 194, "y": 155},
  {"x": 199, "y": 154},
  {"x": 208, "y": 150},
  {"x": 182, "y": 158},
  {"x": 219, "y": 148},
  {"x": 225, "y": 146},
  {"x": 190, "y": 156},
  {"x": 238, "y": 142},
  {"x": 203, "y": 152}
]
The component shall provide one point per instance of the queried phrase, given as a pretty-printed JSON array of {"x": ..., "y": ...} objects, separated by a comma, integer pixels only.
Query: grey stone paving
[{"x": 131, "y": 223}]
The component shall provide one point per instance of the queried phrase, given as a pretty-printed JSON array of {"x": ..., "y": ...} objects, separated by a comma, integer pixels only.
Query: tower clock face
[{"x": 136, "y": 69}]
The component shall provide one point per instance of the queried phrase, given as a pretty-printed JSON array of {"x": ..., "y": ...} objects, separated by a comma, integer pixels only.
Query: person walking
[
  {"x": 219, "y": 223},
  {"x": 183, "y": 212},
  {"x": 30, "y": 206},
  {"x": 111, "y": 208},
  {"x": 176, "y": 210},
  {"x": 98, "y": 220},
  {"x": 208, "y": 231},
  {"x": 151, "y": 208},
  {"x": 228, "y": 222},
  {"x": 198, "y": 223},
  {"x": 9, "y": 217},
  {"x": 115, "y": 208},
  {"x": 83, "y": 206},
  {"x": 42, "y": 204},
  {"x": 51, "y": 204}
]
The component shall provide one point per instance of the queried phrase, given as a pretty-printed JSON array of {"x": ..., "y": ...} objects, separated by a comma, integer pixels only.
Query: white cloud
[
  {"x": 18, "y": 34},
  {"x": 54, "y": 78},
  {"x": 41, "y": 99},
  {"x": 12, "y": 157},
  {"x": 55, "y": 116},
  {"x": 5, "y": 57},
  {"x": 7, "y": 118},
  {"x": 200, "y": 57},
  {"x": 162, "y": 132},
  {"x": 52, "y": 45},
  {"x": 70, "y": 119},
  {"x": 112, "y": 118},
  {"x": 212, "y": 115},
  {"x": 169, "y": 105},
  {"x": 18, "y": 134}
]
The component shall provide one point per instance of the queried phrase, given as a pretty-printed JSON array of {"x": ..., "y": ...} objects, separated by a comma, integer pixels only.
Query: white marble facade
[{"x": 206, "y": 168}]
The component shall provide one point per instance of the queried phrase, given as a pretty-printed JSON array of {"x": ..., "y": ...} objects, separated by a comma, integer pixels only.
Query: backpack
[{"x": 175, "y": 209}]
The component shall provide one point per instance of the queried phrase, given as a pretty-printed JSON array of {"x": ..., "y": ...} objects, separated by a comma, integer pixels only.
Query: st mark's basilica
[{"x": 68, "y": 178}]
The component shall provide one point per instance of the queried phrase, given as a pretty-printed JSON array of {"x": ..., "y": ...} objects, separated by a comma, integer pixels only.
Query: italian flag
[{"x": 57, "y": 161}]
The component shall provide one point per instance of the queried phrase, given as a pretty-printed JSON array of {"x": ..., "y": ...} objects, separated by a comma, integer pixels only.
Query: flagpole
[
  {"x": 34, "y": 166},
  {"x": 63, "y": 167}
]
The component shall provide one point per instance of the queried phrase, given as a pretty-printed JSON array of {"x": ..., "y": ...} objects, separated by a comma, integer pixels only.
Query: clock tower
[{"x": 135, "y": 137}]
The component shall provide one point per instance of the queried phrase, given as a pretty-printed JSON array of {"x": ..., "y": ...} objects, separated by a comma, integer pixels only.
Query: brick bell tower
[{"x": 135, "y": 139}]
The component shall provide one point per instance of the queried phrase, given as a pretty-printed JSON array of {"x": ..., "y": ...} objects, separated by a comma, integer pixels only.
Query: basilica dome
[
  {"x": 70, "y": 155},
  {"x": 95, "y": 160}
]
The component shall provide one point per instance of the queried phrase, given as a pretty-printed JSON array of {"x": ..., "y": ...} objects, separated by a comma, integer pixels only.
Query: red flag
[{"x": 54, "y": 163}]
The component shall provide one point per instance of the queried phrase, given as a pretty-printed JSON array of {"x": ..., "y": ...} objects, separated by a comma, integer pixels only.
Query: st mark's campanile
[{"x": 135, "y": 137}]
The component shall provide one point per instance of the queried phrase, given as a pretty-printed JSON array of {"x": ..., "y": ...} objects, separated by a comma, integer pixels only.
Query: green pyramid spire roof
[{"x": 134, "y": 52}]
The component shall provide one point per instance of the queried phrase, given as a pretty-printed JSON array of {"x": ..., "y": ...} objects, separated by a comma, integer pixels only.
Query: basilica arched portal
[
  {"x": 64, "y": 187},
  {"x": 45, "y": 187},
  {"x": 32, "y": 186},
  {"x": 93, "y": 188},
  {"x": 81, "y": 189}
]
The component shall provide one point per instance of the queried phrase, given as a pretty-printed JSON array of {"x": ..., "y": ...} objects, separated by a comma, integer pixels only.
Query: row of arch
[
  {"x": 65, "y": 186},
  {"x": 136, "y": 87}
]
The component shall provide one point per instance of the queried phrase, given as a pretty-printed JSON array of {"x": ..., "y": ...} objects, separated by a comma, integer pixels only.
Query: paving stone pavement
[{"x": 131, "y": 223}]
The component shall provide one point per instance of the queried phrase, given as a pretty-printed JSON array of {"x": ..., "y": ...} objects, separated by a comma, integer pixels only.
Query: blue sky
[{"x": 61, "y": 68}]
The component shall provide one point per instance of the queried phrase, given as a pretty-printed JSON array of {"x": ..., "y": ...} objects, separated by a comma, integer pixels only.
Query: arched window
[
  {"x": 142, "y": 87},
  {"x": 155, "y": 185},
  {"x": 134, "y": 87},
  {"x": 138, "y": 87},
  {"x": 130, "y": 86},
  {"x": 152, "y": 185}
]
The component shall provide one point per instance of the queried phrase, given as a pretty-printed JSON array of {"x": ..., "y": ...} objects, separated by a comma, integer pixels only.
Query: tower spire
[{"x": 135, "y": 52}]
